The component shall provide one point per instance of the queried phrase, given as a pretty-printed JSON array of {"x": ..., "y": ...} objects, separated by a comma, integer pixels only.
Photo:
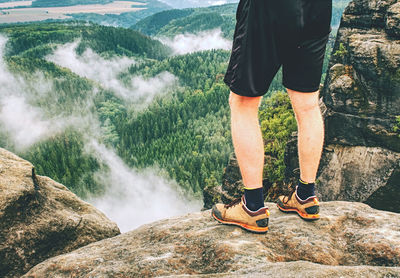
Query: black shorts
[{"x": 271, "y": 33}]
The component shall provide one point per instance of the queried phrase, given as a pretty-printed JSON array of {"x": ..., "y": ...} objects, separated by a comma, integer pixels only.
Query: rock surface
[
  {"x": 40, "y": 218},
  {"x": 350, "y": 240},
  {"x": 361, "y": 100}
]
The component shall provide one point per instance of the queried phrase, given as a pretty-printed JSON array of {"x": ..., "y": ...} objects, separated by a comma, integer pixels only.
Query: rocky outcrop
[
  {"x": 350, "y": 240},
  {"x": 361, "y": 99},
  {"x": 40, "y": 218}
]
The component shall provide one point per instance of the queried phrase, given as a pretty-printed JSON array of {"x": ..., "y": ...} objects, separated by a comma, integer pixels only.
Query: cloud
[
  {"x": 205, "y": 40},
  {"x": 106, "y": 71},
  {"x": 24, "y": 123},
  {"x": 133, "y": 198},
  {"x": 146, "y": 89},
  {"x": 90, "y": 64}
]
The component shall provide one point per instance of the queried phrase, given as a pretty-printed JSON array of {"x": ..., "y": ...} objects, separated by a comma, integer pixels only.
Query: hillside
[
  {"x": 57, "y": 3},
  {"x": 193, "y": 20},
  {"x": 63, "y": 95},
  {"x": 91, "y": 100},
  {"x": 95, "y": 99},
  {"x": 126, "y": 19},
  {"x": 104, "y": 12},
  {"x": 142, "y": 131}
]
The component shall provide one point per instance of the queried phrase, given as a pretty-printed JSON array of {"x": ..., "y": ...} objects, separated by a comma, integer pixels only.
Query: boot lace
[
  {"x": 234, "y": 202},
  {"x": 293, "y": 190}
]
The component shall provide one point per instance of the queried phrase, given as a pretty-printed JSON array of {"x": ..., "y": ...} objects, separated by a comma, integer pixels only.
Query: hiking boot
[
  {"x": 307, "y": 209},
  {"x": 236, "y": 213}
]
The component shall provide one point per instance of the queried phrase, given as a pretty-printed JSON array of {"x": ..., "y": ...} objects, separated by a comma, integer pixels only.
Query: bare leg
[
  {"x": 310, "y": 132},
  {"x": 247, "y": 139}
]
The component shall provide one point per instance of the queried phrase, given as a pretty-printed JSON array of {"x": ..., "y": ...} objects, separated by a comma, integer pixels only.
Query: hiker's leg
[
  {"x": 247, "y": 139},
  {"x": 310, "y": 132}
]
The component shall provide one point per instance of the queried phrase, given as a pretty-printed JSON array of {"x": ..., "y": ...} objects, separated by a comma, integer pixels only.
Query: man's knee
[
  {"x": 304, "y": 103},
  {"x": 236, "y": 100}
]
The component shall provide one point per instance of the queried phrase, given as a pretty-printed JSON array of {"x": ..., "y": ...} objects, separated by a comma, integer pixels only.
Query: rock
[
  {"x": 40, "y": 218},
  {"x": 393, "y": 20},
  {"x": 231, "y": 187},
  {"x": 366, "y": 13},
  {"x": 361, "y": 99},
  {"x": 350, "y": 240},
  {"x": 368, "y": 167}
]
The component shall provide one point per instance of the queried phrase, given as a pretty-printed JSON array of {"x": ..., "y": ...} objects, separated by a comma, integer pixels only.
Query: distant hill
[
  {"x": 191, "y": 20},
  {"x": 63, "y": 3},
  {"x": 180, "y": 4},
  {"x": 124, "y": 19},
  {"x": 29, "y": 38}
]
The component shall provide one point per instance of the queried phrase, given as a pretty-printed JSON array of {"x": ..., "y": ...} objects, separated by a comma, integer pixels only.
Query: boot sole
[
  {"x": 257, "y": 230},
  {"x": 304, "y": 216}
]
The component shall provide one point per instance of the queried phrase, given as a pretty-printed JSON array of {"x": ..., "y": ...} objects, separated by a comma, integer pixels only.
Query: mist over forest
[{"x": 120, "y": 107}]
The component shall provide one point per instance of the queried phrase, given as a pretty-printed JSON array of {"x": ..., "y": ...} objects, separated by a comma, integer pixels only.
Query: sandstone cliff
[
  {"x": 350, "y": 240},
  {"x": 40, "y": 218},
  {"x": 361, "y": 100}
]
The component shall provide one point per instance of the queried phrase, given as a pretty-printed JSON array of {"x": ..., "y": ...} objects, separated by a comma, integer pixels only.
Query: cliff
[
  {"x": 40, "y": 218},
  {"x": 361, "y": 100},
  {"x": 351, "y": 240}
]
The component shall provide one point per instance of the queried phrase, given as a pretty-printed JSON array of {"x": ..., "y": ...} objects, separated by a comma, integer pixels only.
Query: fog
[
  {"x": 132, "y": 197},
  {"x": 205, "y": 40},
  {"x": 24, "y": 123},
  {"x": 105, "y": 72}
]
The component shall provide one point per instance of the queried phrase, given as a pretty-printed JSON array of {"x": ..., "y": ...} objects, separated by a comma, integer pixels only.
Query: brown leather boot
[
  {"x": 307, "y": 209},
  {"x": 236, "y": 213}
]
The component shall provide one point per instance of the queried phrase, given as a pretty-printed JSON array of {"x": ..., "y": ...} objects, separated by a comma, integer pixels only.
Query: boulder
[
  {"x": 40, "y": 218},
  {"x": 350, "y": 240}
]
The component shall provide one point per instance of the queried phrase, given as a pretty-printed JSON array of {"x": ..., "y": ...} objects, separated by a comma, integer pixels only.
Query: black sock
[
  {"x": 305, "y": 189},
  {"x": 254, "y": 198}
]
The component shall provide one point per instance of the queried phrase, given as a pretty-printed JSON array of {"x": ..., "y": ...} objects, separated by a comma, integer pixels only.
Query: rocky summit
[
  {"x": 40, "y": 218},
  {"x": 350, "y": 240}
]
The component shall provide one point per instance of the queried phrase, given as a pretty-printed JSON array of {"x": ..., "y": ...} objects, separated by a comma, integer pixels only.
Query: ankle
[
  {"x": 254, "y": 198},
  {"x": 305, "y": 190}
]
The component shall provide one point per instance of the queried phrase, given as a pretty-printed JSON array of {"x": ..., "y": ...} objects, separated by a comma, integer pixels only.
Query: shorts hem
[
  {"x": 239, "y": 91},
  {"x": 301, "y": 89}
]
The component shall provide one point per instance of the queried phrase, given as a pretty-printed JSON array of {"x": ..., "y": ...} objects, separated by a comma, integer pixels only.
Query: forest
[{"x": 184, "y": 132}]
